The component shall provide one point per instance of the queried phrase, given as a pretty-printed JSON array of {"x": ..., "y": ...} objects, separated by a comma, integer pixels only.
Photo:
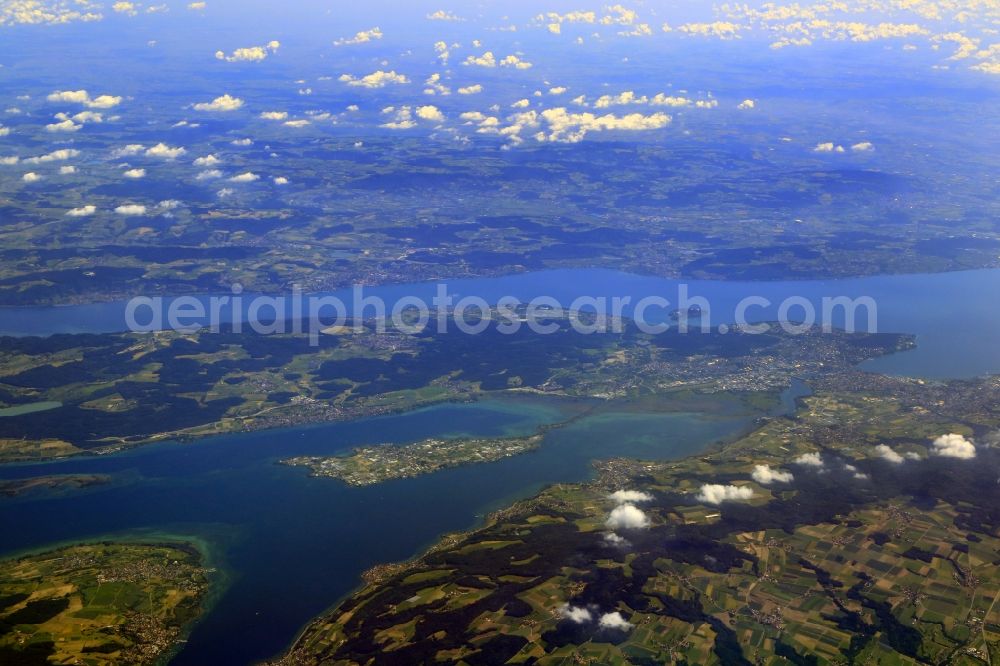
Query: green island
[
  {"x": 370, "y": 465},
  {"x": 102, "y": 603},
  {"x": 126, "y": 389},
  {"x": 862, "y": 529},
  {"x": 54, "y": 482}
]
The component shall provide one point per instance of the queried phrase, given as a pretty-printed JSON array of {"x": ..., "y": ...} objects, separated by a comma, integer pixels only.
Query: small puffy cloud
[
  {"x": 626, "y": 496},
  {"x": 615, "y": 540},
  {"x": 714, "y": 493},
  {"x": 377, "y": 79},
  {"x": 470, "y": 90},
  {"x": 403, "y": 119},
  {"x": 627, "y": 516},
  {"x": 124, "y": 8},
  {"x": 431, "y": 113},
  {"x": 443, "y": 15},
  {"x": 280, "y": 180},
  {"x": 857, "y": 474},
  {"x": 130, "y": 210},
  {"x": 515, "y": 62},
  {"x": 615, "y": 621},
  {"x": 765, "y": 475},
  {"x": 250, "y": 53},
  {"x": 246, "y": 177},
  {"x": 197, "y": 6},
  {"x": 164, "y": 151},
  {"x": 485, "y": 60},
  {"x": 810, "y": 460},
  {"x": 863, "y": 147},
  {"x": 274, "y": 115},
  {"x": 55, "y": 156},
  {"x": 128, "y": 150},
  {"x": 828, "y": 147},
  {"x": 67, "y": 170},
  {"x": 557, "y": 90},
  {"x": 88, "y": 117},
  {"x": 10, "y": 160},
  {"x": 220, "y": 104},
  {"x": 70, "y": 96},
  {"x": 521, "y": 104},
  {"x": 575, "y": 614},
  {"x": 746, "y": 104},
  {"x": 135, "y": 173},
  {"x": 242, "y": 142},
  {"x": 209, "y": 174},
  {"x": 953, "y": 446},
  {"x": 104, "y": 102},
  {"x": 302, "y": 122},
  {"x": 66, "y": 125},
  {"x": 82, "y": 211},
  {"x": 4, "y": 131},
  {"x": 886, "y": 453},
  {"x": 207, "y": 160},
  {"x": 31, "y": 177},
  {"x": 361, "y": 37}
]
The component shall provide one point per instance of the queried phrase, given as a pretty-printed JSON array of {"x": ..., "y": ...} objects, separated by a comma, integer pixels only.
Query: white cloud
[
  {"x": 572, "y": 127},
  {"x": 207, "y": 160},
  {"x": 135, "y": 173},
  {"x": 863, "y": 147},
  {"x": 746, "y": 104},
  {"x": 242, "y": 142},
  {"x": 627, "y": 516},
  {"x": 83, "y": 97},
  {"x": 615, "y": 540},
  {"x": 521, "y": 104},
  {"x": 55, "y": 156},
  {"x": 131, "y": 209},
  {"x": 361, "y": 37},
  {"x": 66, "y": 125},
  {"x": 274, "y": 115},
  {"x": 196, "y": 6},
  {"x": 223, "y": 103},
  {"x": 250, "y": 53},
  {"x": 625, "y": 496},
  {"x": 431, "y": 113},
  {"x": 861, "y": 476},
  {"x": 515, "y": 62},
  {"x": 31, "y": 177},
  {"x": 713, "y": 493},
  {"x": 246, "y": 177},
  {"x": 4, "y": 131},
  {"x": 809, "y": 460},
  {"x": 443, "y": 15},
  {"x": 165, "y": 151},
  {"x": 82, "y": 211},
  {"x": 614, "y": 620},
  {"x": 765, "y": 475},
  {"x": 88, "y": 117},
  {"x": 377, "y": 79},
  {"x": 885, "y": 452},
  {"x": 575, "y": 614},
  {"x": 123, "y": 7},
  {"x": 10, "y": 160},
  {"x": 209, "y": 174},
  {"x": 470, "y": 90},
  {"x": 953, "y": 446},
  {"x": 557, "y": 90},
  {"x": 403, "y": 119},
  {"x": 168, "y": 204},
  {"x": 280, "y": 180},
  {"x": 485, "y": 60},
  {"x": 302, "y": 122},
  {"x": 828, "y": 147},
  {"x": 128, "y": 151},
  {"x": 67, "y": 170}
]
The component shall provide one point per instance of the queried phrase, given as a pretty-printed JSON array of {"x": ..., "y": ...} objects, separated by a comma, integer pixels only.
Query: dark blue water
[
  {"x": 290, "y": 545},
  {"x": 955, "y": 316}
]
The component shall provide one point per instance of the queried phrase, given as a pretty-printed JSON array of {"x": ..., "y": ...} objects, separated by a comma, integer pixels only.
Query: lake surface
[
  {"x": 955, "y": 316},
  {"x": 288, "y": 546}
]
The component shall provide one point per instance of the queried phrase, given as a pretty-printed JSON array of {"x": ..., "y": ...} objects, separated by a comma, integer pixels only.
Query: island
[
  {"x": 102, "y": 603},
  {"x": 55, "y": 482},
  {"x": 862, "y": 529}
]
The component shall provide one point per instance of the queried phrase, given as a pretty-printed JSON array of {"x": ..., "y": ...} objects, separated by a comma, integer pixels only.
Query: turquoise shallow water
[{"x": 290, "y": 544}]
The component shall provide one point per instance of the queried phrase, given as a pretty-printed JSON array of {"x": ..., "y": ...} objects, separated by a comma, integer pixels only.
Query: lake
[{"x": 287, "y": 546}]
